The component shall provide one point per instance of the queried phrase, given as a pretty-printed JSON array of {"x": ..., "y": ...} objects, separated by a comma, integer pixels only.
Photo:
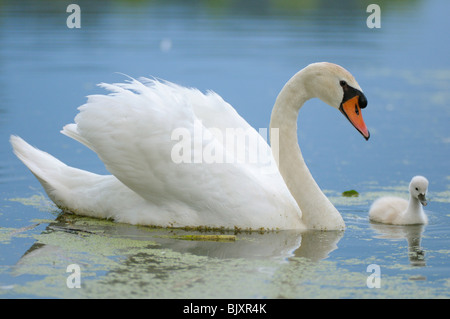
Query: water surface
[{"x": 245, "y": 51}]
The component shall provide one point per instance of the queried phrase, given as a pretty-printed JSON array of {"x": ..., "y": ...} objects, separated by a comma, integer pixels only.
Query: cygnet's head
[{"x": 418, "y": 188}]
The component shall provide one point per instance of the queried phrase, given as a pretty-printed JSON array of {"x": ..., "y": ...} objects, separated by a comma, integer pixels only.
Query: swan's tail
[
  {"x": 76, "y": 190},
  {"x": 58, "y": 179},
  {"x": 45, "y": 167}
]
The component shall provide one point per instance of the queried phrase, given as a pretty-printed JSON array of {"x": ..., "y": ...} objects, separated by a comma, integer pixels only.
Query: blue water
[{"x": 245, "y": 51}]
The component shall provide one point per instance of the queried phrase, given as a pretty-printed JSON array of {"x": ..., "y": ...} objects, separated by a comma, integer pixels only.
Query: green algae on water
[
  {"x": 39, "y": 202},
  {"x": 350, "y": 193},
  {"x": 222, "y": 238}
]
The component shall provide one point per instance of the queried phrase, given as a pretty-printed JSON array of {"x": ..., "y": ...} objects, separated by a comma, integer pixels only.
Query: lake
[{"x": 245, "y": 51}]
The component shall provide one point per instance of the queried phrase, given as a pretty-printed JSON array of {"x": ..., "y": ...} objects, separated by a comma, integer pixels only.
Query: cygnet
[{"x": 398, "y": 211}]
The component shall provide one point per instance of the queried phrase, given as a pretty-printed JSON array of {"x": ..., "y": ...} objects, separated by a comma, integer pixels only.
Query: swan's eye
[
  {"x": 342, "y": 83},
  {"x": 417, "y": 189}
]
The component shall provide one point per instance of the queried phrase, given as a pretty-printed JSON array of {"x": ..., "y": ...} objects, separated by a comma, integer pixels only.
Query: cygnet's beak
[
  {"x": 423, "y": 199},
  {"x": 352, "y": 103}
]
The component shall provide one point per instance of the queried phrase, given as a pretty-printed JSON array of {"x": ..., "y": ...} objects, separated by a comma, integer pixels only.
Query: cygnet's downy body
[{"x": 398, "y": 211}]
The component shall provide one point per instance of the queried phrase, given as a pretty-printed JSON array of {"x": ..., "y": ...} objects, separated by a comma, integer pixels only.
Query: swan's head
[
  {"x": 337, "y": 87},
  {"x": 418, "y": 188}
]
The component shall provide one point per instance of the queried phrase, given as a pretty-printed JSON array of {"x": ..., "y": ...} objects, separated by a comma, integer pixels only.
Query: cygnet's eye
[
  {"x": 417, "y": 189},
  {"x": 342, "y": 83}
]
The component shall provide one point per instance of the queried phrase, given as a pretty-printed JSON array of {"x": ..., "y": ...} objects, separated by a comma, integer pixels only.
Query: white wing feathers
[{"x": 132, "y": 131}]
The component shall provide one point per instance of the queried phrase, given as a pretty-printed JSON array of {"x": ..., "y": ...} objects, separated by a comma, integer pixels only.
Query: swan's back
[
  {"x": 135, "y": 130},
  {"x": 388, "y": 210}
]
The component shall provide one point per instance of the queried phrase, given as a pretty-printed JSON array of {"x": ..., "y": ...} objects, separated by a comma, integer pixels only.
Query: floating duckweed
[
  {"x": 7, "y": 233},
  {"x": 37, "y": 201},
  {"x": 123, "y": 261},
  {"x": 116, "y": 267},
  {"x": 92, "y": 243},
  {"x": 225, "y": 238},
  {"x": 43, "y": 221},
  {"x": 350, "y": 193}
]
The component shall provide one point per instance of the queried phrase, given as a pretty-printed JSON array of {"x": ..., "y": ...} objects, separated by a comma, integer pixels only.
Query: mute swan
[
  {"x": 398, "y": 211},
  {"x": 132, "y": 132}
]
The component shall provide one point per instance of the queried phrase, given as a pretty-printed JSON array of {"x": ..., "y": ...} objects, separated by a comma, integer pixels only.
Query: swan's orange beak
[{"x": 352, "y": 111}]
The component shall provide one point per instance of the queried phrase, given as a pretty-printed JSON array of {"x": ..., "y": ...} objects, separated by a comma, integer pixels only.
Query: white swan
[
  {"x": 132, "y": 131},
  {"x": 398, "y": 211}
]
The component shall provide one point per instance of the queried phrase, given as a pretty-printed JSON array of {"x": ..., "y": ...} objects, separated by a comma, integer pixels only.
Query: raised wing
[{"x": 172, "y": 144}]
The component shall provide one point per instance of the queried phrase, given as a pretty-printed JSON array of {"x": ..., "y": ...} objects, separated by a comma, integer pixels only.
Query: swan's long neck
[
  {"x": 414, "y": 205},
  {"x": 414, "y": 210},
  {"x": 317, "y": 210}
]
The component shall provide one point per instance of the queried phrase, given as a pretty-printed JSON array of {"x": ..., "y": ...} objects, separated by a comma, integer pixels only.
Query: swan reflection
[
  {"x": 412, "y": 234},
  {"x": 278, "y": 246}
]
